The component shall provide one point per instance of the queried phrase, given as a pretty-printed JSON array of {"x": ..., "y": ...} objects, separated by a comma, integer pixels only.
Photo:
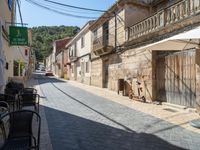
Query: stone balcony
[
  {"x": 172, "y": 18},
  {"x": 101, "y": 46}
]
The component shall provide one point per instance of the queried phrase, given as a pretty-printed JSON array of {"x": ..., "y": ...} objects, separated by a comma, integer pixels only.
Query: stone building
[
  {"x": 7, "y": 15},
  {"x": 136, "y": 42},
  {"x": 58, "y": 52},
  {"x": 79, "y": 49}
]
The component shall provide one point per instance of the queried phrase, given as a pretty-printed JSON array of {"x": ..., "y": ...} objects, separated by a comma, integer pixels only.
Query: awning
[
  {"x": 191, "y": 34},
  {"x": 185, "y": 40}
]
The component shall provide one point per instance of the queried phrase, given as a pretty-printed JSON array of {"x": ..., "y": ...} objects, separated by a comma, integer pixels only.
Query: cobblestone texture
[{"x": 80, "y": 117}]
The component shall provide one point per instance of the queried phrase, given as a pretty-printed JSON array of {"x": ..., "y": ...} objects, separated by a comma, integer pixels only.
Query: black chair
[
  {"x": 4, "y": 108},
  {"x": 20, "y": 130},
  {"x": 13, "y": 88},
  {"x": 10, "y": 99},
  {"x": 28, "y": 91},
  {"x": 29, "y": 100}
]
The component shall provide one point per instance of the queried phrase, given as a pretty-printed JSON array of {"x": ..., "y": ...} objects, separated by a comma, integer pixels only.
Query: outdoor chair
[
  {"x": 29, "y": 100},
  {"x": 20, "y": 130},
  {"x": 4, "y": 108},
  {"x": 10, "y": 99},
  {"x": 13, "y": 88},
  {"x": 28, "y": 91}
]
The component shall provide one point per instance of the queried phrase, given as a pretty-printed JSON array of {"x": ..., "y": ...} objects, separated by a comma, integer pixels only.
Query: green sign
[{"x": 18, "y": 36}]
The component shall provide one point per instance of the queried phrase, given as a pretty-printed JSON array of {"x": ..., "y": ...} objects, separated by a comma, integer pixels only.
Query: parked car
[
  {"x": 43, "y": 69},
  {"x": 49, "y": 73}
]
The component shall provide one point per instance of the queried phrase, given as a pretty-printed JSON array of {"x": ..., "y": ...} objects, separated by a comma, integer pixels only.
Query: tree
[{"x": 44, "y": 36}]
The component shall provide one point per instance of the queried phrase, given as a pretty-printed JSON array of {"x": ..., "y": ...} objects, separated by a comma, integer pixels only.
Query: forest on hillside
[{"x": 43, "y": 37}]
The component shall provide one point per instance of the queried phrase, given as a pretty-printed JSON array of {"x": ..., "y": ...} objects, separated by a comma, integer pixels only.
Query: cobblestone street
[
  {"x": 79, "y": 119},
  {"x": 100, "y": 75}
]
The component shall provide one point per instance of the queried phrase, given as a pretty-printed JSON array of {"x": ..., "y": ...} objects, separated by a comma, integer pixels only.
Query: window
[
  {"x": 95, "y": 34},
  {"x": 87, "y": 67},
  {"x": 82, "y": 41},
  {"x": 70, "y": 53},
  {"x": 15, "y": 68},
  {"x": 105, "y": 32},
  {"x": 26, "y": 52}
]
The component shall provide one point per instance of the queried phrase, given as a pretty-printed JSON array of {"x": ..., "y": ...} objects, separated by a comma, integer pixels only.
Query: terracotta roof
[{"x": 60, "y": 44}]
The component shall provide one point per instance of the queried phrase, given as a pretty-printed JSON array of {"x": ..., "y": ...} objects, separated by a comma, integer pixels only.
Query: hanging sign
[{"x": 18, "y": 36}]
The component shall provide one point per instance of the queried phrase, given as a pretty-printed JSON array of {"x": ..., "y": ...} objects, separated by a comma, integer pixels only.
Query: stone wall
[
  {"x": 87, "y": 80},
  {"x": 134, "y": 66}
]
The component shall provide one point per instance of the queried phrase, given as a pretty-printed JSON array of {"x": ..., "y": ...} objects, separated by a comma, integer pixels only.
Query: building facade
[
  {"x": 109, "y": 36},
  {"x": 79, "y": 49},
  {"x": 7, "y": 15},
  {"x": 136, "y": 42},
  {"x": 49, "y": 63},
  {"x": 57, "y": 56}
]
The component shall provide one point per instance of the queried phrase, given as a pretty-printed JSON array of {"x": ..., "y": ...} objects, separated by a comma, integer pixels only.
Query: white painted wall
[
  {"x": 87, "y": 48},
  {"x": 49, "y": 62}
]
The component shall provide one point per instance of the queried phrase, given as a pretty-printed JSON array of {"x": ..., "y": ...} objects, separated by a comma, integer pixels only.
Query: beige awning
[{"x": 185, "y": 40}]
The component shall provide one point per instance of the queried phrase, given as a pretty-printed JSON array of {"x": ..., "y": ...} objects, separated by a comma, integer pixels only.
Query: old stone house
[
  {"x": 49, "y": 62},
  {"x": 59, "y": 51},
  {"x": 134, "y": 41},
  {"x": 79, "y": 49}
]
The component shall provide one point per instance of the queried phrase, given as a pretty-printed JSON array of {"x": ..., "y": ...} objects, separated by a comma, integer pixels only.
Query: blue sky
[{"x": 36, "y": 16}]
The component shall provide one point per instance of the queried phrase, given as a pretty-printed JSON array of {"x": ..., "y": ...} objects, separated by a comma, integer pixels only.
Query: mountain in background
[{"x": 44, "y": 36}]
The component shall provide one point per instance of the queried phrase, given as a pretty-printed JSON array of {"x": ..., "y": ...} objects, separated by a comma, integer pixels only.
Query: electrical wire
[
  {"x": 60, "y": 12},
  {"x": 82, "y": 8},
  {"x": 63, "y": 13},
  {"x": 64, "y": 9}
]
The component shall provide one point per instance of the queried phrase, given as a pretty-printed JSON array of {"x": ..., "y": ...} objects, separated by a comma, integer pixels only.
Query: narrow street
[
  {"x": 80, "y": 120},
  {"x": 100, "y": 75}
]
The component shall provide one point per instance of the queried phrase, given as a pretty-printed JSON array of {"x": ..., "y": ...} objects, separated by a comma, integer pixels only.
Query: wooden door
[
  {"x": 176, "y": 78},
  {"x": 105, "y": 73}
]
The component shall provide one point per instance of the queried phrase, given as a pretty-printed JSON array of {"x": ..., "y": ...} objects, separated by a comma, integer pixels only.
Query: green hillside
[{"x": 43, "y": 37}]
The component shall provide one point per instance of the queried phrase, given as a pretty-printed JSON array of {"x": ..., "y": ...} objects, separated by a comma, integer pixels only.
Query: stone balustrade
[{"x": 170, "y": 15}]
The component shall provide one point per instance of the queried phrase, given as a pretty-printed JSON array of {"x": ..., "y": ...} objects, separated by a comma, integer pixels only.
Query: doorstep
[{"x": 174, "y": 106}]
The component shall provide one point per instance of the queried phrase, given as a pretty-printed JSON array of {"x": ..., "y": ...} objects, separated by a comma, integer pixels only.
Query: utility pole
[{"x": 19, "y": 11}]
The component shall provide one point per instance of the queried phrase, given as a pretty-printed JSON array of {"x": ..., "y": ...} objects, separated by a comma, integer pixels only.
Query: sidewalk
[
  {"x": 45, "y": 141},
  {"x": 178, "y": 117}
]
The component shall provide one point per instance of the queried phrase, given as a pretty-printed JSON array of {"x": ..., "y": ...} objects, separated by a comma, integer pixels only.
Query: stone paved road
[{"x": 80, "y": 120}]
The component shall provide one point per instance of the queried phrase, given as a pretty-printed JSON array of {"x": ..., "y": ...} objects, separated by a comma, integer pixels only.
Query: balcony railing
[
  {"x": 170, "y": 15},
  {"x": 100, "y": 46}
]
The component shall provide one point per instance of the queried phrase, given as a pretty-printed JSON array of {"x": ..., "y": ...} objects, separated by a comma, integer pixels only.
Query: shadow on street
[{"x": 68, "y": 131}]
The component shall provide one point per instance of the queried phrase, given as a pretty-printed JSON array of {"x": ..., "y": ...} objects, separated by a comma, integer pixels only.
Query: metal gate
[{"x": 176, "y": 78}]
